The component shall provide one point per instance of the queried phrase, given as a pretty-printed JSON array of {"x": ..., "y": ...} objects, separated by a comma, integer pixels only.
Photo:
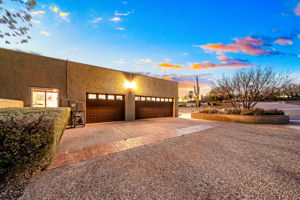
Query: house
[{"x": 106, "y": 94}]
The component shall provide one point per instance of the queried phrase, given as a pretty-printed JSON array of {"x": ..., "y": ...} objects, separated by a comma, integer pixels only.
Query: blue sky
[{"x": 172, "y": 39}]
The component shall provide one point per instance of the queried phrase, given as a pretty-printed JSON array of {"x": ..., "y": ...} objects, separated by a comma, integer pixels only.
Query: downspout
[{"x": 67, "y": 71}]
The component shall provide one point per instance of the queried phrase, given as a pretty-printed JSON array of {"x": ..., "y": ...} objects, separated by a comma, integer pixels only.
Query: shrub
[
  {"x": 28, "y": 138},
  {"x": 211, "y": 111},
  {"x": 233, "y": 111},
  {"x": 256, "y": 111},
  {"x": 274, "y": 112},
  {"x": 183, "y": 104}
]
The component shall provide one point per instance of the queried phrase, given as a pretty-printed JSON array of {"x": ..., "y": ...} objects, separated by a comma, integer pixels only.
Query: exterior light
[{"x": 130, "y": 84}]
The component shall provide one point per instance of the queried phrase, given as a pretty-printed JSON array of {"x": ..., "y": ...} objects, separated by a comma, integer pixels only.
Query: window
[
  {"x": 111, "y": 97},
  {"x": 148, "y": 99},
  {"x": 162, "y": 99},
  {"x": 143, "y": 98},
  {"x": 44, "y": 97},
  {"x": 153, "y": 99},
  {"x": 101, "y": 96},
  {"x": 119, "y": 97},
  {"x": 157, "y": 99},
  {"x": 170, "y": 100},
  {"x": 137, "y": 98},
  {"x": 92, "y": 96}
]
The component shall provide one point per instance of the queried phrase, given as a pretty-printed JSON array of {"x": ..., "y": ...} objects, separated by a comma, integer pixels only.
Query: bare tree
[
  {"x": 247, "y": 86},
  {"x": 15, "y": 23},
  {"x": 291, "y": 90}
]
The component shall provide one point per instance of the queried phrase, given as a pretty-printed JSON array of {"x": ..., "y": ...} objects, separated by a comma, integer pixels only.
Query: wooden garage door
[
  {"x": 104, "y": 108},
  {"x": 153, "y": 107}
]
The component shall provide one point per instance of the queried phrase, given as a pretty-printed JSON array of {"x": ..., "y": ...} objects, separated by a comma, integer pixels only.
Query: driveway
[{"x": 224, "y": 161}]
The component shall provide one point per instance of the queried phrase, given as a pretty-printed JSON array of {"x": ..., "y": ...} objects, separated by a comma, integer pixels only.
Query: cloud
[
  {"x": 120, "y": 61},
  {"x": 61, "y": 14},
  {"x": 38, "y": 12},
  {"x": 145, "y": 60},
  {"x": 185, "y": 53},
  {"x": 55, "y": 9},
  {"x": 284, "y": 41},
  {"x": 120, "y": 28},
  {"x": 229, "y": 63},
  {"x": 116, "y": 19},
  {"x": 247, "y": 45},
  {"x": 35, "y": 21},
  {"x": 167, "y": 78},
  {"x": 97, "y": 20},
  {"x": 297, "y": 10},
  {"x": 170, "y": 65},
  {"x": 45, "y": 33},
  {"x": 123, "y": 14},
  {"x": 64, "y": 16}
]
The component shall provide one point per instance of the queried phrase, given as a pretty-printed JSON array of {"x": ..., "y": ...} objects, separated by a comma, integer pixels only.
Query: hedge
[{"x": 28, "y": 138}]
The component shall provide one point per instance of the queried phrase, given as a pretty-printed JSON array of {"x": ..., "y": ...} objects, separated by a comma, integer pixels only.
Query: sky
[{"x": 174, "y": 40}]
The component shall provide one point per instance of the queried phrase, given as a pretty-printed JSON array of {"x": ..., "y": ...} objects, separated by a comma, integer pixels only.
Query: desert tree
[
  {"x": 291, "y": 90},
  {"x": 191, "y": 95},
  {"x": 247, "y": 86},
  {"x": 15, "y": 22}
]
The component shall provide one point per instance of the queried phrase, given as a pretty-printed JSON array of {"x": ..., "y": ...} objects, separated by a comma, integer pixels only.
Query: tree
[
  {"x": 216, "y": 95},
  {"x": 16, "y": 23},
  {"x": 197, "y": 92},
  {"x": 247, "y": 86},
  {"x": 291, "y": 90},
  {"x": 191, "y": 95}
]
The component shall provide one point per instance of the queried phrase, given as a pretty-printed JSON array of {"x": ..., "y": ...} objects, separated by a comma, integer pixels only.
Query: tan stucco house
[{"x": 106, "y": 94}]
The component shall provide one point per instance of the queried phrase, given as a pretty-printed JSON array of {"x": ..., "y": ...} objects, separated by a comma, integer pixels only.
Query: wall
[
  {"x": 19, "y": 71},
  {"x": 7, "y": 103},
  {"x": 85, "y": 78}
]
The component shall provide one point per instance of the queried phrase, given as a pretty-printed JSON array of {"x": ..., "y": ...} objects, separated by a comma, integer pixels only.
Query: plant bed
[{"x": 256, "y": 116}]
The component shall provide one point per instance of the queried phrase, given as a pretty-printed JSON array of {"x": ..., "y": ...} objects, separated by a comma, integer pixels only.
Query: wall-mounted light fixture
[{"x": 130, "y": 84}]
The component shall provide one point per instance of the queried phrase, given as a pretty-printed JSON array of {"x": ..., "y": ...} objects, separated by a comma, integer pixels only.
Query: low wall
[
  {"x": 258, "y": 119},
  {"x": 7, "y": 103}
]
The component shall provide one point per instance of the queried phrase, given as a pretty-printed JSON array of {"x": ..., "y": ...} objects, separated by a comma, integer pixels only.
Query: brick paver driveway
[{"x": 227, "y": 161}]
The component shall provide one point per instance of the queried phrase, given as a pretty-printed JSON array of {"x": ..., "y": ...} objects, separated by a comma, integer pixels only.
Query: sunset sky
[{"x": 175, "y": 40}]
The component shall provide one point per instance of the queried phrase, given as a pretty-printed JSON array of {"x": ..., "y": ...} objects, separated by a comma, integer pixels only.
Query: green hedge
[{"x": 28, "y": 138}]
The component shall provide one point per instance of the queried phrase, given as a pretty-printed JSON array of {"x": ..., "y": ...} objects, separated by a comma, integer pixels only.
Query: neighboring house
[{"x": 106, "y": 94}]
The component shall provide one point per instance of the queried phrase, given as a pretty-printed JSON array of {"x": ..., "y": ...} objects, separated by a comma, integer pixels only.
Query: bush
[
  {"x": 183, "y": 104},
  {"x": 259, "y": 111},
  {"x": 233, "y": 111},
  {"x": 28, "y": 138},
  {"x": 256, "y": 111},
  {"x": 212, "y": 111}
]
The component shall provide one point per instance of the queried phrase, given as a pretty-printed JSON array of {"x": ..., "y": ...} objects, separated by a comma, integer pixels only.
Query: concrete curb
[{"x": 266, "y": 119}]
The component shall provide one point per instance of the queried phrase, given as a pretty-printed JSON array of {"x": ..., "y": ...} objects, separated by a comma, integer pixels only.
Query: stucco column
[{"x": 129, "y": 106}]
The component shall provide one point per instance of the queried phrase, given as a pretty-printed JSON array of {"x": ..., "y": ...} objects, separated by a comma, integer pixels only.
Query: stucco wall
[
  {"x": 7, "y": 103},
  {"x": 19, "y": 71},
  {"x": 85, "y": 78}
]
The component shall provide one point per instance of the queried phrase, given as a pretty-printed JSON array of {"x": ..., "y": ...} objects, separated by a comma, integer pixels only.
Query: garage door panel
[
  {"x": 153, "y": 109},
  {"x": 100, "y": 110}
]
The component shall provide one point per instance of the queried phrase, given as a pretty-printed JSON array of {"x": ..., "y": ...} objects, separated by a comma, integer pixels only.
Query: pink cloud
[
  {"x": 284, "y": 41},
  {"x": 297, "y": 10},
  {"x": 229, "y": 63},
  {"x": 247, "y": 45}
]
